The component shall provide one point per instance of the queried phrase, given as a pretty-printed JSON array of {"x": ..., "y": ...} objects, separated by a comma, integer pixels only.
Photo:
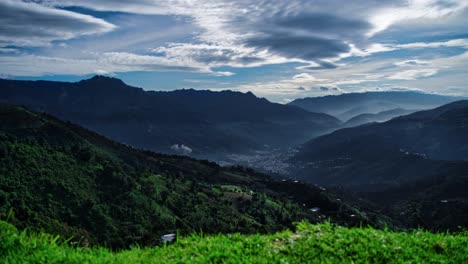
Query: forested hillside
[
  {"x": 414, "y": 165},
  {"x": 73, "y": 182},
  {"x": 204, "y": 124}
]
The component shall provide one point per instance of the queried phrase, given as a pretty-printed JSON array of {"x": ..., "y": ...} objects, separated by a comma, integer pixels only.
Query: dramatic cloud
[
  {"x": 275, "y": 32},
  {"x": 385, "y": 17},
  {"x": 297, "y": 46},
  {"x": 278, "y": 49},
  {"x": 29, "y": 24},
  {"x": 380, "y": 48},
  {"x": 109, "y": 62},
  {"x": 216, "y": 55}
]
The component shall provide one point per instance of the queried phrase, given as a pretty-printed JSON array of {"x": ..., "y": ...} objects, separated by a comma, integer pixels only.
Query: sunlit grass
[{"x": 323, "y": 243}]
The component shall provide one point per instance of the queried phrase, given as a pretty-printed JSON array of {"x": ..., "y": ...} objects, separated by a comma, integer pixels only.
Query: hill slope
[
  {"x": 71, "y": 181},
  {"x": 414, "y": 164},
  {"x": 347, "y": 106},
  {"x": 206, "y": 123},
  {"x": 309, "y": 244},
  {"x": 440, "y": 133}
]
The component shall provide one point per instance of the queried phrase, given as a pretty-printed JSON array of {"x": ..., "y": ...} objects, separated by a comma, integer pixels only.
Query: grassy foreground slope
[{"x": 321, "y": 243}]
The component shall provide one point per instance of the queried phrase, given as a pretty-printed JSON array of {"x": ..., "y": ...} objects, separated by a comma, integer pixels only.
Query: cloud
[
  {"x": 298, "y": 46},
  {"x": 32, "y": 65},
  {"x": 181, "y": 149},
  {"x": 108, "y": 62},
  {"x": 30, "y": 24},
  {"x": 318, "y": 65},
  {"x": 411, "y": 10},
  {"x": 308, "y": 36},
  {"x": 370, "y": 75},
  {"x": 411, "y": 63},
  {"x": 286, "y": 100},
  {"x": 378, "y": 47},
  {"x": 147, "y": 62},
  {"x": 8, "y": 50},
  {"x": 450, "y": 43},
  {"x": 223, "y": 73},
  {"x": 254, "y": 33},
  {"x": 331, "y": 88},
  {"x": 404, "y": 89},
  {"x": 412, "y": 74},
  {"x": 105, "y": 73},
  {"x": 353, "y": 45},
  {"x": 213, "y": 55},
  {"x": 324, "y": 24},
  {"x": 304, "y": 77}
]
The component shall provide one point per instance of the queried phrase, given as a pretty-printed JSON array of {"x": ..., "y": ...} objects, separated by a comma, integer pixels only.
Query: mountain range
[
  {"x": 67, "y": 180},
  {"x": 390, "y": 164},
  {"x": 377, "y": 117},
  {"x": 413, "y": 163},
  {"x": 199, "y": 123},
  {"x": 347, "y": 106}
]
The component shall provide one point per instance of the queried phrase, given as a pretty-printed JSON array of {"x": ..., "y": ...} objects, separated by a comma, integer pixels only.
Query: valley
[
  {"x": 272, "y": 161},
  {"x": 217, "y": 131},
  {"x": 118, "y": 195},
  {"x": 381, "y": 174}
]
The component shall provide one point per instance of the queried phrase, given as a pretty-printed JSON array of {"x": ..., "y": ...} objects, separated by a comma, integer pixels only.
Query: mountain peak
[{"x": 101, "y": 79}]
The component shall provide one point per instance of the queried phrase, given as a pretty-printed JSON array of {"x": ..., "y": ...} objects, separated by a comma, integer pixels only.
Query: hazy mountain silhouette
[
  {"x": 403, "y": 148},
  {"x": 347, "y": 106},
  {"x": 202, "y": 123},
  {"x": 378, "y": 117},
  {"x": 415, "y": 166}
]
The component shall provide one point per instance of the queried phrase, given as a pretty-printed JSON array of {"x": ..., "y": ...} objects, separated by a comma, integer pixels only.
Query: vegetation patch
[{"x": 321, "y": 243}]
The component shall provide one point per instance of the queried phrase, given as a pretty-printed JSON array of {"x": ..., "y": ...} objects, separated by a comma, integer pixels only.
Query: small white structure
[
  {"x": 181, "y": 149},
  {"x": 168, "y": 238},
  {"x": 314, "y": 209}
]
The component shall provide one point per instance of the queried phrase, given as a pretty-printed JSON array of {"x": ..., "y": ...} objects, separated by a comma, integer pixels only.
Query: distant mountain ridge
[
  {"x": 206, "y": 122},
  {"x": 415, "y": 165},
  {"x": 440, "y": 134},
  {"x": 378, "y": 117},
  {"x": 347, "y": 106}
]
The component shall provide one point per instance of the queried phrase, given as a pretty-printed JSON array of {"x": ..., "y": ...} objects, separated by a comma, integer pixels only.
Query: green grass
[{"x": 323, "y": 243}]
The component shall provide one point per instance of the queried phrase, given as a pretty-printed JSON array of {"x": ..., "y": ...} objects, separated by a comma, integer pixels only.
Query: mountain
[
  {"x": 378, "y": 117},
  {"x": 200, "y": 123},
  {"x": 347, "y": 106},
  {"x": 416, "y": 164},
  {"x": 436, "y": 137},
  {"x": 67, "y": 180}
]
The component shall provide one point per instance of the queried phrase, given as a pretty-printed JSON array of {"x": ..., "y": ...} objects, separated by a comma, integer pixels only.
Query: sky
[{"x": 277, "y": 49}]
